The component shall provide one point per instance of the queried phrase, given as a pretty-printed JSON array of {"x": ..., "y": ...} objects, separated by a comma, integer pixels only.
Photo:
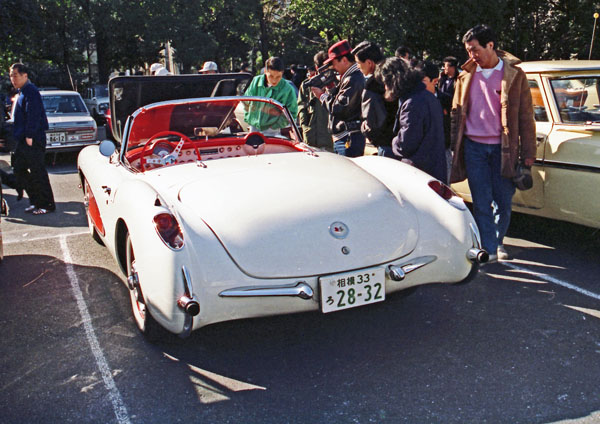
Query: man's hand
[
  {"x": 29, "y": 141},
  {"x": 528, "y": 162},
  {"x": 317, "y": 91}
]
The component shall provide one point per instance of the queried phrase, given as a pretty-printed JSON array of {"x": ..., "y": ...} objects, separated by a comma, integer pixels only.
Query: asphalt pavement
[{"x": 519, "y": 344}]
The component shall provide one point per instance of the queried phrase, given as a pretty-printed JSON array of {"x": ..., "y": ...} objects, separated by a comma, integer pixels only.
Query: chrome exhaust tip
[
  {"x": 190, "y": 306},
  {"x": 478, "y": 255}
]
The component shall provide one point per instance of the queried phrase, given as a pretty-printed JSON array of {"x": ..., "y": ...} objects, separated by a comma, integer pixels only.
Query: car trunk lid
[{"x": 293, "y": 215}]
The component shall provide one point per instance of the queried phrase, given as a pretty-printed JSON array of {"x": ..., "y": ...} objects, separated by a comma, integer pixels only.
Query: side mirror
[{"x": 107, "y": 148}]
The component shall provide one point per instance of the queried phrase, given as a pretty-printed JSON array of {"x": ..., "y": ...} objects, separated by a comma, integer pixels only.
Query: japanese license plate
[
  {"x": 56, "y": 138},
  {"x": 352, "y": 289}
]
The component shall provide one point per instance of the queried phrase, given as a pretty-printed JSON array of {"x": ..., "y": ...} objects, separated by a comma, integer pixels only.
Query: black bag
[{"x": 522, "y": 179}]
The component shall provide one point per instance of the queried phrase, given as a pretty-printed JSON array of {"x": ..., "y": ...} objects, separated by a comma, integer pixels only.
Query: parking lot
[{"x": 519, "y": 344}]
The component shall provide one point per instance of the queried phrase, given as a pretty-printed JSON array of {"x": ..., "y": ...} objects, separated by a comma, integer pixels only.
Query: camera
[{"x": 325, "y": 75}]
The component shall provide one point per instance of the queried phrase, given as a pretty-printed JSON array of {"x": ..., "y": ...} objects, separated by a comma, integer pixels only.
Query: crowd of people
[{"x": 392, "y": 103}]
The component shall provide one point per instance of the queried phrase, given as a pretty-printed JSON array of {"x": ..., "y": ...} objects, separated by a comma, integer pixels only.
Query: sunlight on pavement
[
  {"x": 524, "y": 262},
  {"x": 516, "y": 279},
  {"x": 592, "y": 312}
]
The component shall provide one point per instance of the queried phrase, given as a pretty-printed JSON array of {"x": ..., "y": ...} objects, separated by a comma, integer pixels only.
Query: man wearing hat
[
  {"x": 155, "y": 67},
  {"x": 343, "y": 102},
  {"x": 209, "y": 68}
]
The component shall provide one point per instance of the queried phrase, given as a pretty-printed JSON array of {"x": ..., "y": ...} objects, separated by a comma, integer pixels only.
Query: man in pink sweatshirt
[{"x": 492, "y": 129}]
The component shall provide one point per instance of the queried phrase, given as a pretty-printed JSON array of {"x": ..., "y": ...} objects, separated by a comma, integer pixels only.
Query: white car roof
[
  {"x": 59, "y": 93},
  {"x": 560, "y": 65}
]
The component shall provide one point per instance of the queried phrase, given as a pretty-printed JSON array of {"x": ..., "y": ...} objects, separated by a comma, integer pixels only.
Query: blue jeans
[
  {"x": 488, "y": 189},
  {"x": 356, "y": 148}
]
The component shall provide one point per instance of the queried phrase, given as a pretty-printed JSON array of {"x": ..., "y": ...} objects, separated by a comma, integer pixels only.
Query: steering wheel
[{"x": 171, "y": 157}]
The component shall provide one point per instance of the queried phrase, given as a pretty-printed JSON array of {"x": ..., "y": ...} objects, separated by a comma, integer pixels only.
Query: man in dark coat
[
  {"x": 378, "y": 115},
  {"x": 30, "y": 125},
  {"x": 343, "y": 102},
  {"x": 312, "y": 115}
]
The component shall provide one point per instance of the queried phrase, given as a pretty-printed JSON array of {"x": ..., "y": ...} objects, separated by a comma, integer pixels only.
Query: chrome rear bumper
[{"x": 300, "y": 289}]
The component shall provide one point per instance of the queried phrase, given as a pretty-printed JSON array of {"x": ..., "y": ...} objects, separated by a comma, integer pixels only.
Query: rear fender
[
  {"x": 441, "y": 223},
  {"x": 158, "y": 266}
]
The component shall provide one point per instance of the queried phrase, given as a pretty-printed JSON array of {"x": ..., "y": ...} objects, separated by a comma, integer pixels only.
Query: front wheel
[{"x": 141, "y": 315}]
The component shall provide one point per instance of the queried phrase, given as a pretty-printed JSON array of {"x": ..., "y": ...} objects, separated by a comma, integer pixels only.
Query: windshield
[
  {"x": 212, "y": 120},
  {"x": 101, "y": 90},
  {"x": 60, "y": 104},
  {"x": 577, "y": 99}
]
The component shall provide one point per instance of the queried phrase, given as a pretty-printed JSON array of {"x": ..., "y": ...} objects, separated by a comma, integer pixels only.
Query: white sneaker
[
  {"x": 492, "y": 259},
  {"x": 502, "y": 253}
]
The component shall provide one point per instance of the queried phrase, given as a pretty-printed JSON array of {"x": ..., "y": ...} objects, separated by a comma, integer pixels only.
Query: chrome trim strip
[
  {"x": 581, "y": 72},
  {"x": 417, "y": 263},
  {"x": 300, "y": 289},
  {"x": 398, "y": 272},
  {"x": 570, "y": 166},
  {"x": 187, "y": 281},
  {"x": 475, "y": 236}
]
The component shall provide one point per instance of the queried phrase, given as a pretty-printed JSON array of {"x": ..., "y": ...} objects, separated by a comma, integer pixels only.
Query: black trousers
[{"x": 31, "y": 175}]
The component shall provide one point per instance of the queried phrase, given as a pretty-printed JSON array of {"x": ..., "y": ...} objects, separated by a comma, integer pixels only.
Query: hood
[
  {"x": 129, "y": 93},
  {"x": 294, "y": 215}
]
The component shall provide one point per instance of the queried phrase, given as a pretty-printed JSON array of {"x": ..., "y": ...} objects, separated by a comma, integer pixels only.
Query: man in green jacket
[{"x": 271, "y": 85}]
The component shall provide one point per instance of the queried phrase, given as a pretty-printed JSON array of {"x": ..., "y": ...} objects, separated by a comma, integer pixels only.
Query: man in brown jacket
[{"x": 492, "y": 129}]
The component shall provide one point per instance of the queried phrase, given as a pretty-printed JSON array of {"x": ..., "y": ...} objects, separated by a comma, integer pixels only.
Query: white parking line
[
  {"x": 551, "y": 279},
  {"x": 113, "y": 393},
  {"x": 23, "y": 238}
]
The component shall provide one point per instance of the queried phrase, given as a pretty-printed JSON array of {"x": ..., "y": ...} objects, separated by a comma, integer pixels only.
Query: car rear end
[
  {"x": 70, "y": 125},
  {"x": 352, "y": 245}
]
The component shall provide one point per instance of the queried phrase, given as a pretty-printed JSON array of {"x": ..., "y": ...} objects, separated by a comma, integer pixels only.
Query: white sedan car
[
  {"x": 70, "y": 125},
  {"x": 211, "y": 219}
]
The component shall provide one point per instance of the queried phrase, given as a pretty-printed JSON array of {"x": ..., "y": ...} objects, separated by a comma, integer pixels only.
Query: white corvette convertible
[{"x": 212, "y": 219}]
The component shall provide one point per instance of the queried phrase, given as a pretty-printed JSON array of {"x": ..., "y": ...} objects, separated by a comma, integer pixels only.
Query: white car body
[{"x": 265, "y": 227}]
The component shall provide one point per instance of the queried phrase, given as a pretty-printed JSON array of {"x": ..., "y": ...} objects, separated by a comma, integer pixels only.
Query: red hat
[{"x": 339, "y": 49}]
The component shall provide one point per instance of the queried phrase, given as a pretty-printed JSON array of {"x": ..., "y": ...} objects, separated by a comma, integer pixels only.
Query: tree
[{"x": 58, "y": 37}]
